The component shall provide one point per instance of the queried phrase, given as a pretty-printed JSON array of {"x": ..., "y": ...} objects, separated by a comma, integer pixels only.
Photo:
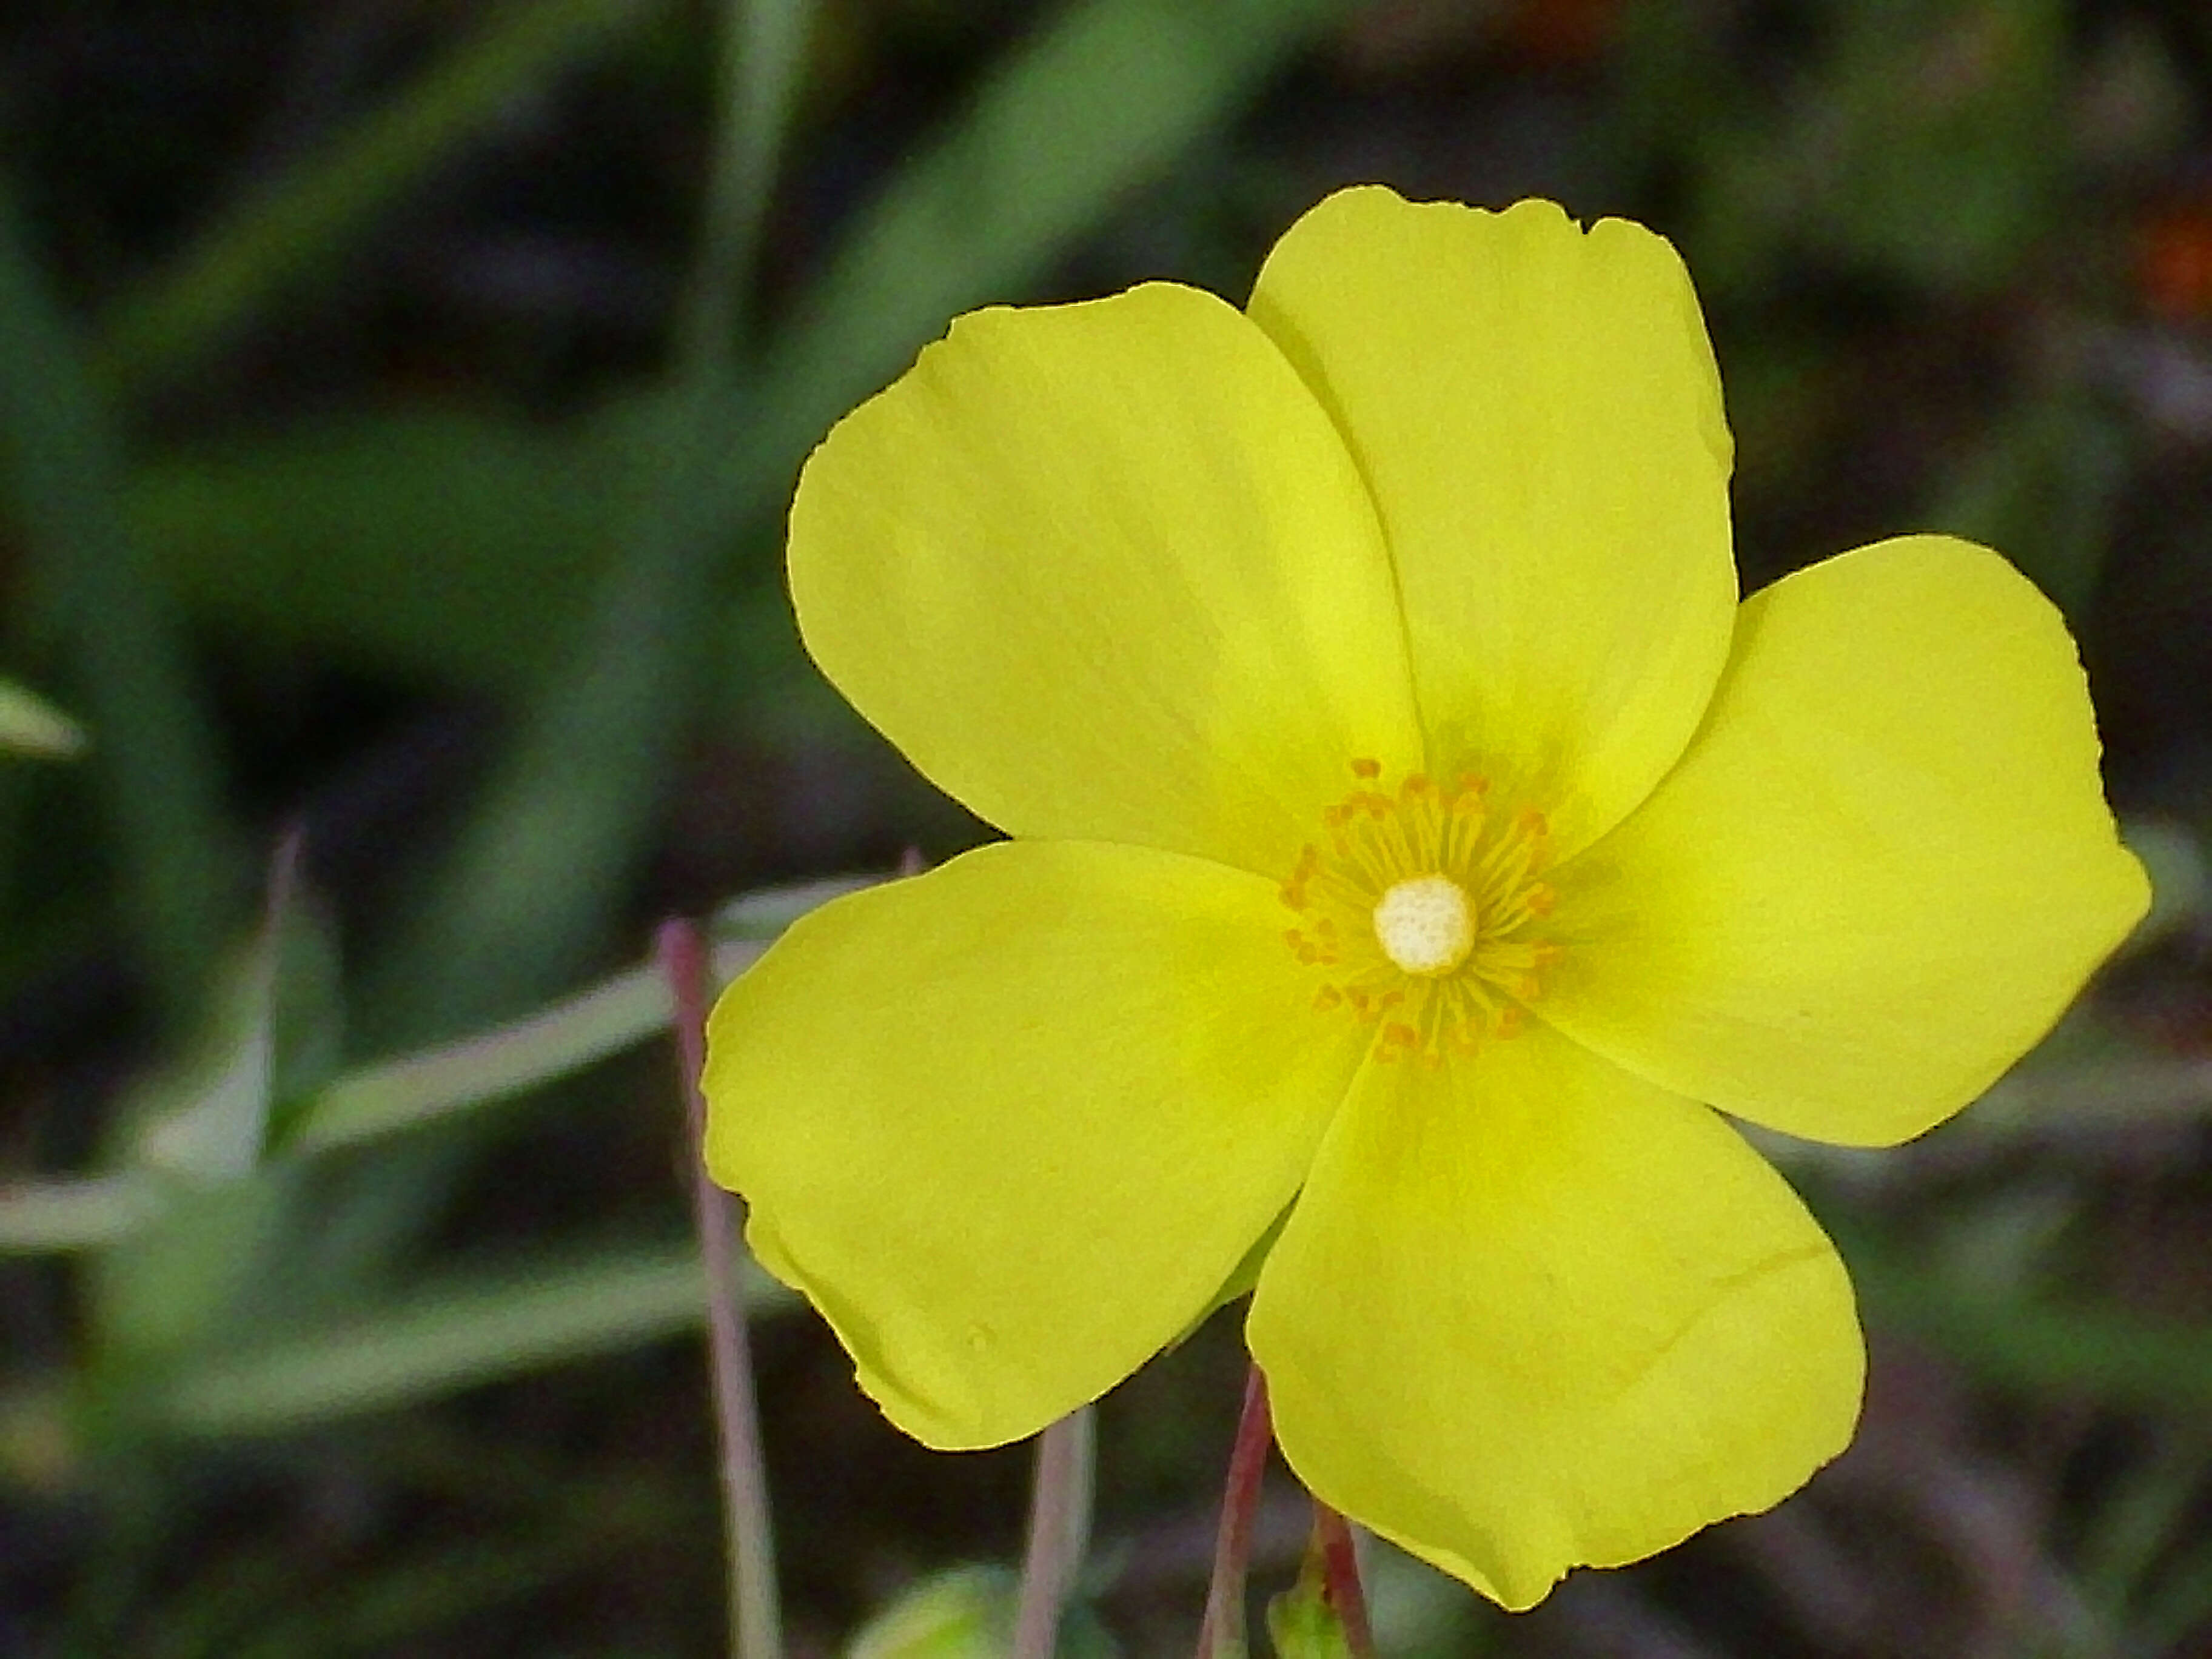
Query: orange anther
[
  {"x": 1366, "y": 769},
  {"x": 1329, "y": 997}
]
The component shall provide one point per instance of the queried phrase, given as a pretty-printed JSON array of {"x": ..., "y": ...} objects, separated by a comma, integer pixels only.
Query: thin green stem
[
  {"x": 755, "y": 1626},
  {"x": 1222, "y": 1634},
  {"x": 1059, "y": 1531}
]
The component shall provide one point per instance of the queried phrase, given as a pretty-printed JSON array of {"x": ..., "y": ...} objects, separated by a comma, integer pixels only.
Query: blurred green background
[{"x": 397, "y": 401}]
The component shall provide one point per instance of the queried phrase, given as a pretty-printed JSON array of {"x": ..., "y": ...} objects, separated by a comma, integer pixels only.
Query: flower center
[
  {"x": 1419, "y": 909},
  {"x": 1425, "y": 925}
]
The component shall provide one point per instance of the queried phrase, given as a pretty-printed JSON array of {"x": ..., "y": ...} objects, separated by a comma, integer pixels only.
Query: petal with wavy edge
[
  {"x": 1536, "y": 412},
  {"x": 1531, "y": 1313},
  {"x": 1011, "y": 1124},
  {"x": 1105, "y": 571},
  {"x": 1882, "y": 872}
]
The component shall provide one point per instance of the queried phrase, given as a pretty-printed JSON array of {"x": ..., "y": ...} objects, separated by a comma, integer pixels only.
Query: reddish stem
[
  {"x": 1340, "y": 1567},
  {"x": 1223, "y": 1631}
]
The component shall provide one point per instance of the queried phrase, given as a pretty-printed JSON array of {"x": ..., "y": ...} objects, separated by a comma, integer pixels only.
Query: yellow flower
[{"x": 1414, "y": 840}]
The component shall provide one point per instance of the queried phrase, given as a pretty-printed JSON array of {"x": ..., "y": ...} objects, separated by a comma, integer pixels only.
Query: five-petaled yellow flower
[{"x": 1414, "y": 840}]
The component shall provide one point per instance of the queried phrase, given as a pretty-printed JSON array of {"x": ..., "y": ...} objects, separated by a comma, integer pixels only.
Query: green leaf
[
  {"x": 967, "y": 1613},
  {"x": 496, "y": 1065},
  {"x": 31, "y": 725},
  {"x": 466, "y": 1330},
  {"x": 155, "y": 768},
  {"x": 410, "y": 1091},
  {"x": 1301, "y": 1623},
  {"x": 574, "y": 1032},
  {"x": 185, "y": 1280},
  {"x": 446, "y": 547},
  {"x": 76, "y": 1213},
  {"x": 273, "y": 1030}
]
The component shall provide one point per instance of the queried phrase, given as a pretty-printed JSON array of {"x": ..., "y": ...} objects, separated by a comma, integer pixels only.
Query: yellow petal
[
  {"x": 1536, "y": 412},
  {"x": 1882, "y": 872},
  {"x": 1011, "y": 1124},
  {"x": 1532, "y": 1313},
  {"x": 1106, "y": 571}
]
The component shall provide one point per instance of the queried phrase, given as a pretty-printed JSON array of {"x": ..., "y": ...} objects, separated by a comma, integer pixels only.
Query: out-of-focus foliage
[{"x": 397, "y": 400}]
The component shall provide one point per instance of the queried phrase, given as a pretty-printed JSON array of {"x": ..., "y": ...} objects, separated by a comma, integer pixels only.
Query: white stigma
[{"x": 1426, "y": 925}]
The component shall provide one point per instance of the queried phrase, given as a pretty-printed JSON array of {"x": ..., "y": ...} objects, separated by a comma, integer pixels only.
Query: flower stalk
[
  {"x": 755, "y": 1625},
  {"x": 1221, "y": 1636},
  {"x": 1340, "y": 1579},
  {"x": 1059, "y": 1531}
]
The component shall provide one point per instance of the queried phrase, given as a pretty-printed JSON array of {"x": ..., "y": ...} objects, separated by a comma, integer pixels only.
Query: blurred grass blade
[
  {"x": 497, "y": 1065},
  {"x": 320, "y": 539},
  {"x": 155, "y": 765},
  {"x": 75, "y": 1213},
  {"x": 2035, "y": 1342},
  {"x": 207, "y": 1119},
  {"x": 191, "y": 1278},
  {"x": 305, "y": 218},
  {"x": 31, "y": 725},
  {"x": 2130, "y": 1531},
  {"x": 470, "y": 1330},
  {"x": 1098, "y": 104},
  {"x": 764, "y": 60},
  {"x": 516, "y": 905},
  {"x": 418, "y": 1593},
  {"x": 1099, "y": 101}
]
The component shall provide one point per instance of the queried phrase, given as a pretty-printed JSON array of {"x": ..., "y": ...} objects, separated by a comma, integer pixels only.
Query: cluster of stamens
[{"x": 1420, "y": 908}]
